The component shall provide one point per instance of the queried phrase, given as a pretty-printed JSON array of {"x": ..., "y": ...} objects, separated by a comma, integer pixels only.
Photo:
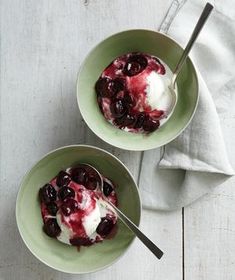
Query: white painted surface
[{"x": 42, "y": 46}]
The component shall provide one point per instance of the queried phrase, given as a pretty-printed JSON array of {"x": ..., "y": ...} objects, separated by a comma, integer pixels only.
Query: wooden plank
[
  {"x": 209, "y": 229},
  {"x": 43, "y": 43},
  {"x": 210, "y": 236}
]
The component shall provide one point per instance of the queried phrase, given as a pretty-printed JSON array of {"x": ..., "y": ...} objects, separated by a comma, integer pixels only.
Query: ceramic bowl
[
  {"x": 100, "y": 57},
  {"x": 54, "y": 253}
]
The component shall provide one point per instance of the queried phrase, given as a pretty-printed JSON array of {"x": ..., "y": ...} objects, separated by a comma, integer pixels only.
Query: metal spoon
[
  {"x": 147, "y": 242},
  {"x": 202, "y": 20}
]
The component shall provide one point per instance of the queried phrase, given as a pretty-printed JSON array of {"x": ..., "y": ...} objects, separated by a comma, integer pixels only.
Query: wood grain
[{"x": 210, "y": 224}]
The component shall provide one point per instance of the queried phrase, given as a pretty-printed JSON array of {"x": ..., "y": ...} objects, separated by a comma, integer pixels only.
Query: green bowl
[
  {"x": 100, "y": 57},
  {"x": 54, "y": 253}
]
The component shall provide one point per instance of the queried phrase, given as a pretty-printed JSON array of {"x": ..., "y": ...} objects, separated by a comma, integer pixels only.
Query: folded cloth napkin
[{"x": 196, "y": 162}]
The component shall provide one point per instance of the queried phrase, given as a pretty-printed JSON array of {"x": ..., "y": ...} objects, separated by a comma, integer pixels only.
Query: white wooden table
[{"x": 42, "y": 46}]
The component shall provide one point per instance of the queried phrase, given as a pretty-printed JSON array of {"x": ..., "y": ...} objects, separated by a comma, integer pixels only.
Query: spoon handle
[
  {"x": 202, "y": 20},
  {"x": 147, "y": 242}
]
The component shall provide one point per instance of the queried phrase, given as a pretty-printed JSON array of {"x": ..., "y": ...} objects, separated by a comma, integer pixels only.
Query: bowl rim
[
  {"x": 121, "y": 146},
  {"x": 18, "y": 197}
]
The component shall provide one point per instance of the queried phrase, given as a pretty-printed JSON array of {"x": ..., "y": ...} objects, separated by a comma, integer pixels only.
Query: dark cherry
[
  {"x": 106, "y": 87},
  {"x": 51, "y": 228},
  {"x": 107, "y": 189},
  {"x": 101, "y": 86},
  {"x": 150, "y": 124},
  {"x": 118, "y": 85},
  {"x": 135, "y": 64},
  {"x": 80, "y": 241},
  {"x": 92, "y": 183},
  {"x": 47, "y": 193},
  {"x": 118, "y": 108},
  {"x": 119, "y": 121},
  {"x": 79, "y": 175},
  {"x": 140, "y": 120},
  {"x": 128, "y": 100},
  {"x": 129, "y": 120},
  {"x": 161, "y": 69},
  {"x": 66, "y": 192},
  {"x": 104, "y": 227},
  {"x": 52, "y": 208},
  {"x": 69, "y": 206},
  {"x": 63, "y": 179},
  {"x": 126, "y": 120}
]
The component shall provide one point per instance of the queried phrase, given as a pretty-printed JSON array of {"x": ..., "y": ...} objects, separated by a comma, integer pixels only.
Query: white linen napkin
[{"x": 196, "y": 162}]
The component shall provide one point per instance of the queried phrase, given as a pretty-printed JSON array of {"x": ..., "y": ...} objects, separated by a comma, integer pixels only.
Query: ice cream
[
  {"x": 74, "y": 209},
  {"x": 133, "y": 94},
  {"x": 157, "y": 92}
]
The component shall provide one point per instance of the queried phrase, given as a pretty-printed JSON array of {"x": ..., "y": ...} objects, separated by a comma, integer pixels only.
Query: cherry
[
  {"x": 107, "y": 189},
  {"x": 80, "y": 241},
  {"x": 51, "y": 228},
  {"x": 106, "y": 87},
  {"x": 118, "y": 108},
  {"x": 135, "y": 64},
  {"x": 161, "y": 69},
  {"x": 150, "y": 124},
  {"x": 85, "y": 176},
  {"x": 92, "y": 183},
  {"x": 52, "y": 208},
  {"x": 47, "y": 193},
  {"x": 129, "y": 120},
  {"x": 66, "y": 192},
  {"x": 69, "y": 207},
  {"x": 79, "y": 175},
  {"x": 101, "y": 86},
  {"x": 119, "y": 121},
  {"x": 118, "y": 85},
  {"x": 63, "y": 179},
  {"x": 140, "y": 120},
  {"x": 126, "y": 120},
  {"x": 128, "y": 100},
  {"x": 105, "y": 226}
]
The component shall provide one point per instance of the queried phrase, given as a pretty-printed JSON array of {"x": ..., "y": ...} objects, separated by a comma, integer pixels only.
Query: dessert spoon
[
  {"x": 202, "y": 20},
  {"x": 147, "y": 242}
]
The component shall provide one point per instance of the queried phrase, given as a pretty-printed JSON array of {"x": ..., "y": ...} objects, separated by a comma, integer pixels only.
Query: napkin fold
[{"x": 195, "y": 162}]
